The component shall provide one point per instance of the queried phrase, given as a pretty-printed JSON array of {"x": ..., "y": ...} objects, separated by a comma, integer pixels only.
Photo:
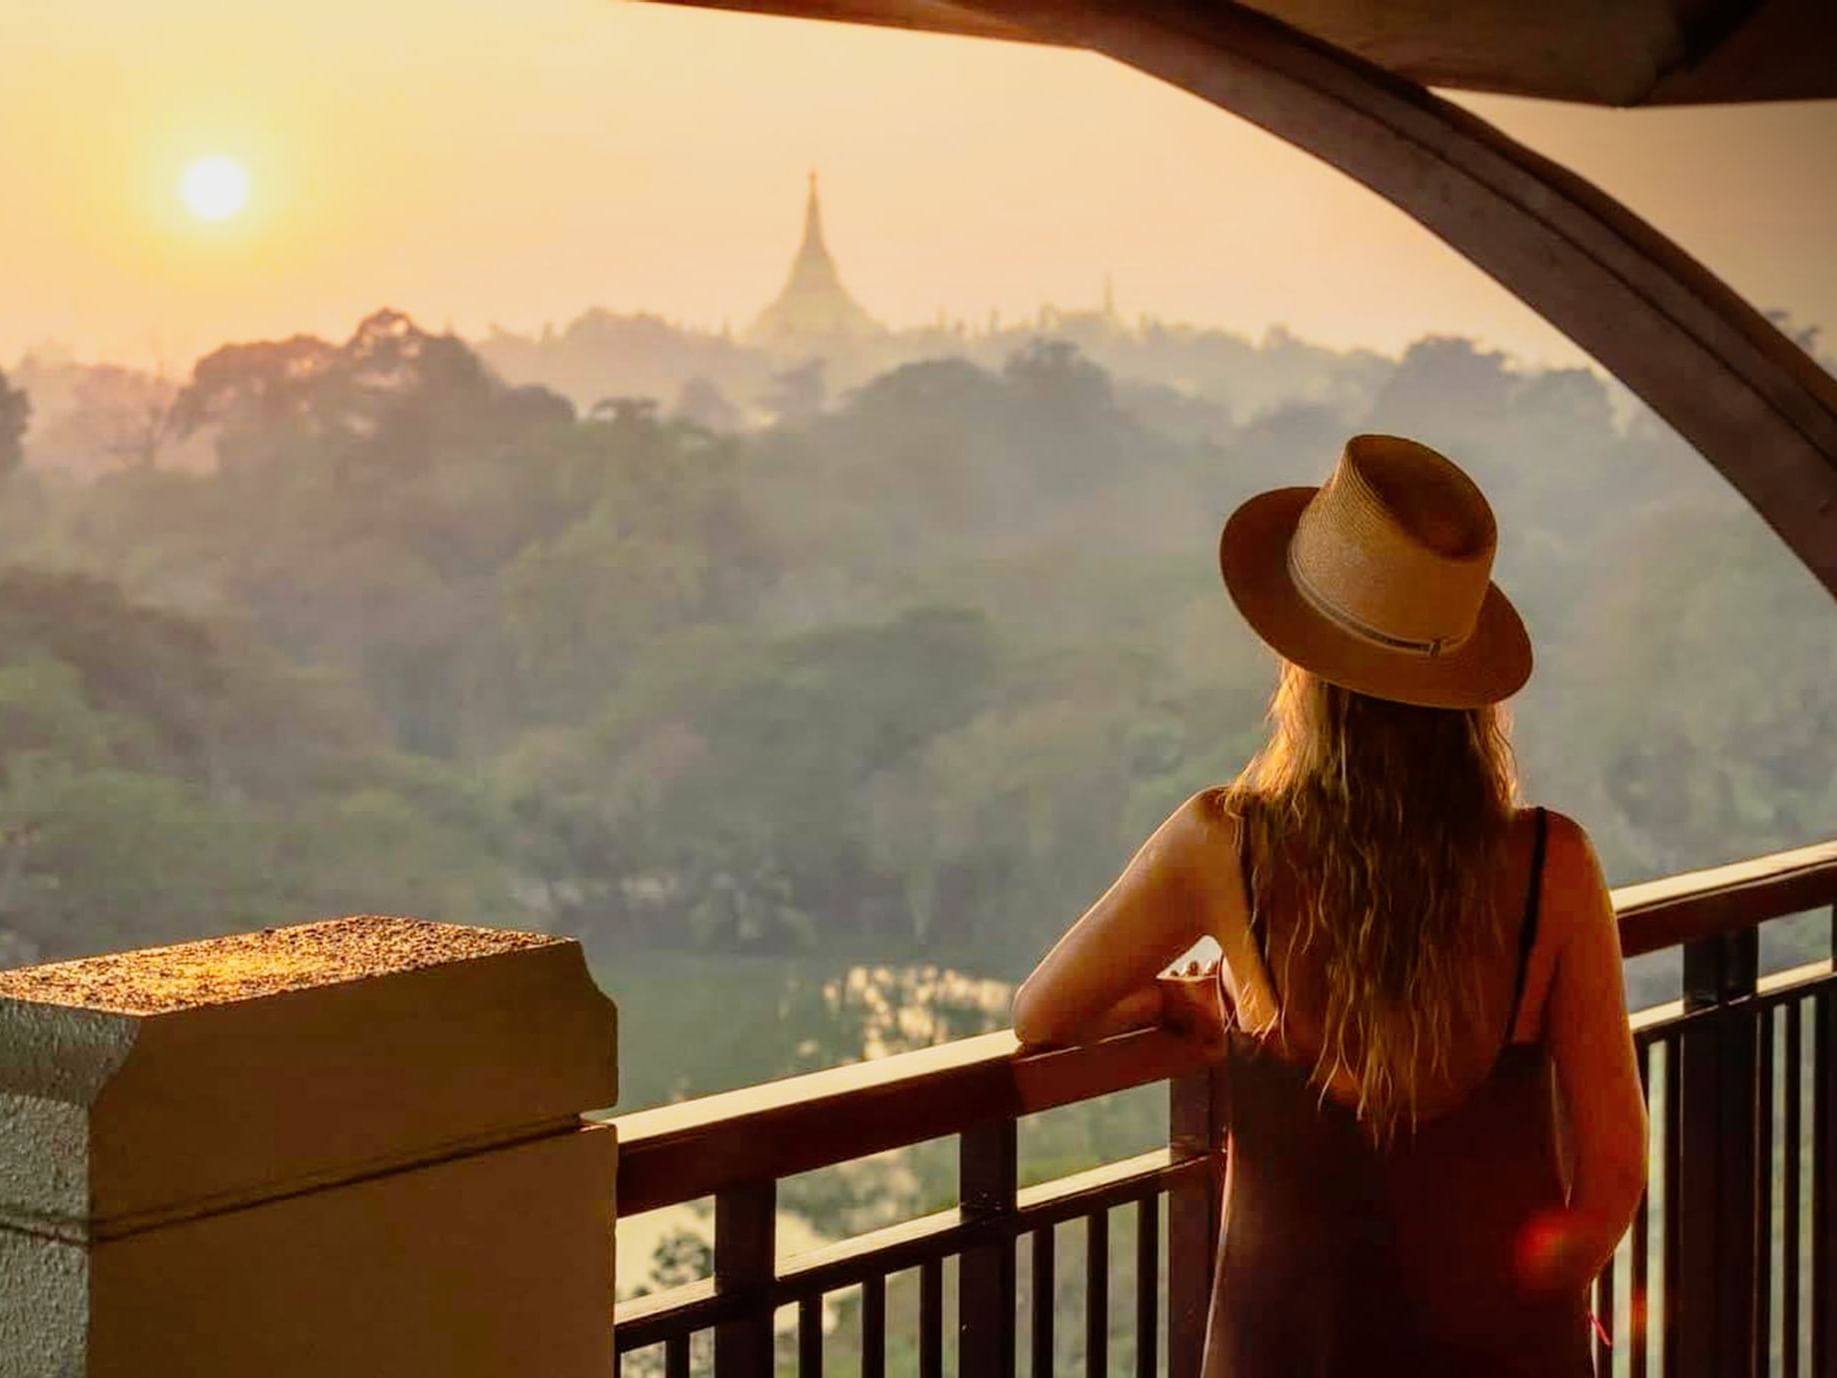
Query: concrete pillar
[{"x": 346, "y": 1148}]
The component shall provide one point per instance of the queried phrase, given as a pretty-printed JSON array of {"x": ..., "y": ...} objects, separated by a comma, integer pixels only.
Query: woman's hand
[
  {"x": 1187, "y": 1002},
  {"x": 1192, "y": 1005}
]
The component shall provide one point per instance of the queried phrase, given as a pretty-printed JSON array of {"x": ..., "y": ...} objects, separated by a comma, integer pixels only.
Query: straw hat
[{"x": 1380, "y": 580}]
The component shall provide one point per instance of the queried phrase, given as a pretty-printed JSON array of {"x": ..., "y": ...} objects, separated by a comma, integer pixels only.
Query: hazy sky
[{"x": 516, "y": 161}]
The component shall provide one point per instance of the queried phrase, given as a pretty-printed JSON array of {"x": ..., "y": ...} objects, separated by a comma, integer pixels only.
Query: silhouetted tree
[
  {"x": 797, "y": 394},
  {"x": 121, "y": 415},
  {"x": 392, "y": 397},
  {"x": 703, "y": 403},
  {"x": 1447, "y": 392},
  {"x": 1064, "y": 412},
  {"x": 15, "y": 412}
]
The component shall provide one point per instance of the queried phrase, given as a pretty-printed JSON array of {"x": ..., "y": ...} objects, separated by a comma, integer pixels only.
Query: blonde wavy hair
[{"x": 1387, "y": 820}]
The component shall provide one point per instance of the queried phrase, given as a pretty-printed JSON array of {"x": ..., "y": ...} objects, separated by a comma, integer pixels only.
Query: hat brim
[{"x": 1489, "y": 666}]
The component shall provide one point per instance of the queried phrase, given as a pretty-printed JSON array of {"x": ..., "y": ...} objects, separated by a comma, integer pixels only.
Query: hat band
[{"x": 1357, "y": 626}]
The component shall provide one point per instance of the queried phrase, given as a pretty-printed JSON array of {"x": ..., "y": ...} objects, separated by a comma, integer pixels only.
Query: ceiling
[{"x": 1600, "y": 52}]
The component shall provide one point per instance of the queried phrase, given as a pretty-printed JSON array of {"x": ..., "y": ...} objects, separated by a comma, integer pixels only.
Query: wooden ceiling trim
[
  {"x": 1749, "y": 400},
  {"x": 1633, "y": 52}
]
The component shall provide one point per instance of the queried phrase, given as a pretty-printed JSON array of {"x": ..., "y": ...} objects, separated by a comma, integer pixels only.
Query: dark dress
[{"x": 1337, "y": 1257}]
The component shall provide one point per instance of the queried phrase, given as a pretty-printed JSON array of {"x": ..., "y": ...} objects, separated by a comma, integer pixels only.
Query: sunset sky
[{"x": 475, "y": 162}]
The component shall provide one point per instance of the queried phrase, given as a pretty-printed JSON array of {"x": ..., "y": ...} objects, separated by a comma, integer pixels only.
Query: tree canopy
[{"x": 912, "y": 669}]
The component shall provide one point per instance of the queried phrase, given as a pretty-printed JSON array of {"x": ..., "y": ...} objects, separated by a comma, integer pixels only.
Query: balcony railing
[{"x": 1721, "y": 1273}]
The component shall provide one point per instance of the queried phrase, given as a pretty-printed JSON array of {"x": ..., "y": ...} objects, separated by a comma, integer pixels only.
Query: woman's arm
[
  {"x": 1139, "y": 1009},
  {"x": 1102, "y": 972},
  {"x": 1591, "y": 1042}
]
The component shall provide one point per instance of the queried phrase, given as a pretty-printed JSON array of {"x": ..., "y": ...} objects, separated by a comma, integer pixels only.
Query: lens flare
[{"x": 1543, "y": 1249}]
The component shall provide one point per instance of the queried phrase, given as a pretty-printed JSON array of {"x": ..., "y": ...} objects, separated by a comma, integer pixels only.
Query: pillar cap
[{"x": 141, "y": 1087}]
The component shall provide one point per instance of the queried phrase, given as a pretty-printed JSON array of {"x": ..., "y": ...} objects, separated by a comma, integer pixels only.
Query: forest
[{"x": 897, "y": 677}]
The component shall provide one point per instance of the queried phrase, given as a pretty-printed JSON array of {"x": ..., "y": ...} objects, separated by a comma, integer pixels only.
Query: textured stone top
[{"x": 218, "y": 971}]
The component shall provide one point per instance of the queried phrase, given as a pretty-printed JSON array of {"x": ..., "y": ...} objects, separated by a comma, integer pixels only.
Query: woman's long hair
[{"x": 1387, "y": 820}]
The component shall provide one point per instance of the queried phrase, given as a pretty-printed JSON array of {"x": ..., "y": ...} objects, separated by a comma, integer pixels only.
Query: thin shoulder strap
[
  {"x": 1252, "y": 917},
  {"x": 1527, "y": 931}
]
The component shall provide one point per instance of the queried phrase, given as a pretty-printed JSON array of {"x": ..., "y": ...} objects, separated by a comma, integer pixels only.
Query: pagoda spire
[
  {"x": 813, "y": 270},
  {"x": 813, "y": 223}
]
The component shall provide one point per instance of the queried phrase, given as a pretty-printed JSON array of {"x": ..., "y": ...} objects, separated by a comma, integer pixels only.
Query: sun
[{"x": 215, "y": 187}]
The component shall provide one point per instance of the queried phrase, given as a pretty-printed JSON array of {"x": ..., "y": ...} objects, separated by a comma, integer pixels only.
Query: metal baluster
[
  {"x": 810, "y": 1337},
  {"x": 1147, "y": 1284},
  {"x": 1668, "y": 1224},
  {"x": 1763, "y": 1195},
  {"x": 1824, "y": 1184},
  {"x": 1789, "y": 1187},
  {"x": 1097, "y": 1295},
  {"x": 931, "y": 1318},
  {"x": 1043, "y": 1290},
  {"x": 874, "y": 1328}
]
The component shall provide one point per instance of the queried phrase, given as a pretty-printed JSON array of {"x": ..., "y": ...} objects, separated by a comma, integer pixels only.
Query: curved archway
[{"x": 1719, "y": 372}]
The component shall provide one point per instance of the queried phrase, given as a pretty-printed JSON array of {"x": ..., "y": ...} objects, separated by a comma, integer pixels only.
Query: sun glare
[{"x": 214, "y": 188}]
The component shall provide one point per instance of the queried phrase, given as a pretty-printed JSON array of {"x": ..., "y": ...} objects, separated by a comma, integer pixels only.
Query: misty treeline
[{"x": 907, "y": 667}]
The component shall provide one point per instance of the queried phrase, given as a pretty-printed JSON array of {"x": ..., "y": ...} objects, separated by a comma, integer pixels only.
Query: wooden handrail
[
  {"x": 1725, "y": 899},
  {"x": 779, "y": 1128}
]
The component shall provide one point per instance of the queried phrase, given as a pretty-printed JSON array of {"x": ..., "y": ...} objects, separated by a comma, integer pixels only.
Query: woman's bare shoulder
[
  {"x": 1567, "y": 846},
  {"x": 1574, "y": 892},
  {"x": 1216, "y": 805},
  {"x": 1571, "y": 852},
  {"x": 1198, "y": 844},
  {"x": 1210, "y": 820}
]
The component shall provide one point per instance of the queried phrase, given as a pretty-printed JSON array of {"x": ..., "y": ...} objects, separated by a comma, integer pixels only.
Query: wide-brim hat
[{"x": 1380, "y": 580}]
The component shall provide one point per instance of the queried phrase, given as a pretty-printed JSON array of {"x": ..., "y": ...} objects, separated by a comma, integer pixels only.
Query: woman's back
[
  {"x": 1505, "y": 981},
  {"x": 1341, "y": 1256},
  {"x": 1418, "y": 978}
]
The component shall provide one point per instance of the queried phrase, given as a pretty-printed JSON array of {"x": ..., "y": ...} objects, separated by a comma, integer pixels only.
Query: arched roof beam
[{"x": 1749, "y": 400}]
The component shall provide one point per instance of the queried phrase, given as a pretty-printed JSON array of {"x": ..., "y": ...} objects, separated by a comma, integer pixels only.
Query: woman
[{"x": 1412, "y": 965}]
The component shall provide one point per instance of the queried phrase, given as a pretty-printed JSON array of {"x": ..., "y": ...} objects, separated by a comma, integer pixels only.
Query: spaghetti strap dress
[{"x": 1339, "y": 1257}]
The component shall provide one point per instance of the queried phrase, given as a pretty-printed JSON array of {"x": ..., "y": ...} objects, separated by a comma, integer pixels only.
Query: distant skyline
[{"x": 475, "y": 162}]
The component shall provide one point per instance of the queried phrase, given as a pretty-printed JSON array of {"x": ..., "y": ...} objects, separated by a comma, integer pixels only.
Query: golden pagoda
[{"x": 814, "y": 309}]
